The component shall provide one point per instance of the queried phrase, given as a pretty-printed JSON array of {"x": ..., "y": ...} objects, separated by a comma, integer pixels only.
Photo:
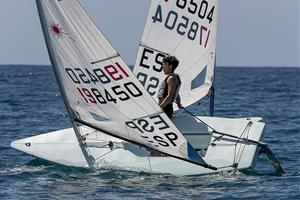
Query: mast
[
  {"x": 212, "y": 101},
  {"x": 212, "y": 92},
  {"x": 89, "y": 159}
]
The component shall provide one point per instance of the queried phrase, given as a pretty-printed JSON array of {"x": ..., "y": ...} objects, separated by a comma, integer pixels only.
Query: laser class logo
[{"x": 56, "y": 30}]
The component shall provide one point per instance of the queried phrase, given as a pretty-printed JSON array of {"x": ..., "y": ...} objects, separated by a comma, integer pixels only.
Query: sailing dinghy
[{"x": 116, "y": 120}]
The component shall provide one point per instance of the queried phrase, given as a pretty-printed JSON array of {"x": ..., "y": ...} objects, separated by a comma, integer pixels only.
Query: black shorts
[{"x": 168, "y": 109}]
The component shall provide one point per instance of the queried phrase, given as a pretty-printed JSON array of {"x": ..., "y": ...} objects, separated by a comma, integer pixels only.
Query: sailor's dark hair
[{"x": 172, "y": 60}]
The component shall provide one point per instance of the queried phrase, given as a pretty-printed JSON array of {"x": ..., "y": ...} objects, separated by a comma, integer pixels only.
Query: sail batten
[
  {"x": 108, "y": 58},
  {"x": 99, "y": 89},
  {"x": 151, "y": 48}
]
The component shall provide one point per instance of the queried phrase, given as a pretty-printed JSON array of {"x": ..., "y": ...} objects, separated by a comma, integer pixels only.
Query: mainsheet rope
[{"x": 241, "y": 138}]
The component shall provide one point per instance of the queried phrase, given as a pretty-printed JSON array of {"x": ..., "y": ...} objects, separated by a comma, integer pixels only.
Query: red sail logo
[{"x": 56, "y": 30}]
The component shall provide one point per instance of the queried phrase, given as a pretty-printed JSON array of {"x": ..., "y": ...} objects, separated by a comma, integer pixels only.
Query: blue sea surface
[{"x": 30, "y": 104}]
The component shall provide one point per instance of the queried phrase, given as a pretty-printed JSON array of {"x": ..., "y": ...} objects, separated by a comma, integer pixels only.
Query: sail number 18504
[{"x": 182, "y": 24}]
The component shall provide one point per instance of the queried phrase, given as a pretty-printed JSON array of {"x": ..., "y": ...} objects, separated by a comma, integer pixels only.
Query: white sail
[
  {"x": 186, "y": 29},
  {"x": 99, "y": 89}
]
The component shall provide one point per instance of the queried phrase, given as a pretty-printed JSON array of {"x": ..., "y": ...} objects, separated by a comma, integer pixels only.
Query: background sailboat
[{"x": 186, "y": 29}]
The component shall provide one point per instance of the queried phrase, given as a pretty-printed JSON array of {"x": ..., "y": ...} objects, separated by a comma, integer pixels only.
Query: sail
[
  {"x": 187, "y": 30},
  {"x": 99, "y": 88}
]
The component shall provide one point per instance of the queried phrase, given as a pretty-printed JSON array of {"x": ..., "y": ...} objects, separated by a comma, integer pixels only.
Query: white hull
[{"x": 62, "y": 147}]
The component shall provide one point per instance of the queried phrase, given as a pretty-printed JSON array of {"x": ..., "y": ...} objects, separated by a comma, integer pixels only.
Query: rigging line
[
  {"x": 92, "y": 145},
  {"x": 108, "y": 132},
  {"x": 87, "y": 134},
  {"x": 43, "y": 143},
  {"x": 114, "y": 147},
  {"x": 224, "y": 134},
  {"x": 236, "y": 153},
  {"x": 104, "y": 145},
  {"x": 240, "y": 153},
  {"x": 233, "y": 166},
  {"x": 98, "y": 140},
  {"x": 86, "y": 146},
  {"x": 196, "y": 117},
  {"x": 244, "y": 146},
  {"x": 105, "y": 154}
]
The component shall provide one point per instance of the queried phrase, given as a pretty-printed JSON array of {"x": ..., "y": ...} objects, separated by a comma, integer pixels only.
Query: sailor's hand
[{"x": 179, "y": 106}]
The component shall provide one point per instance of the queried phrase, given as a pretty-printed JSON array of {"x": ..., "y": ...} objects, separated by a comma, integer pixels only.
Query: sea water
[{"x": 30, "y": 103}]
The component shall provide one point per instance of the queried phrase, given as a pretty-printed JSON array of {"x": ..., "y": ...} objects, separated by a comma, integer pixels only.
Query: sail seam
[
  {"x": 151, "y": 48},
  {"x": 113, "y": 56}
]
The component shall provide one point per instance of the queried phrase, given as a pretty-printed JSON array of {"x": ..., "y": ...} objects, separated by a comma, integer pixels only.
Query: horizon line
[{"x": 222, "y": 66}]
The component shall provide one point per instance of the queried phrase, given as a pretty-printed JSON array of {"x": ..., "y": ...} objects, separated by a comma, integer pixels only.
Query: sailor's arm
[{"x": 178, "y": 101}]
